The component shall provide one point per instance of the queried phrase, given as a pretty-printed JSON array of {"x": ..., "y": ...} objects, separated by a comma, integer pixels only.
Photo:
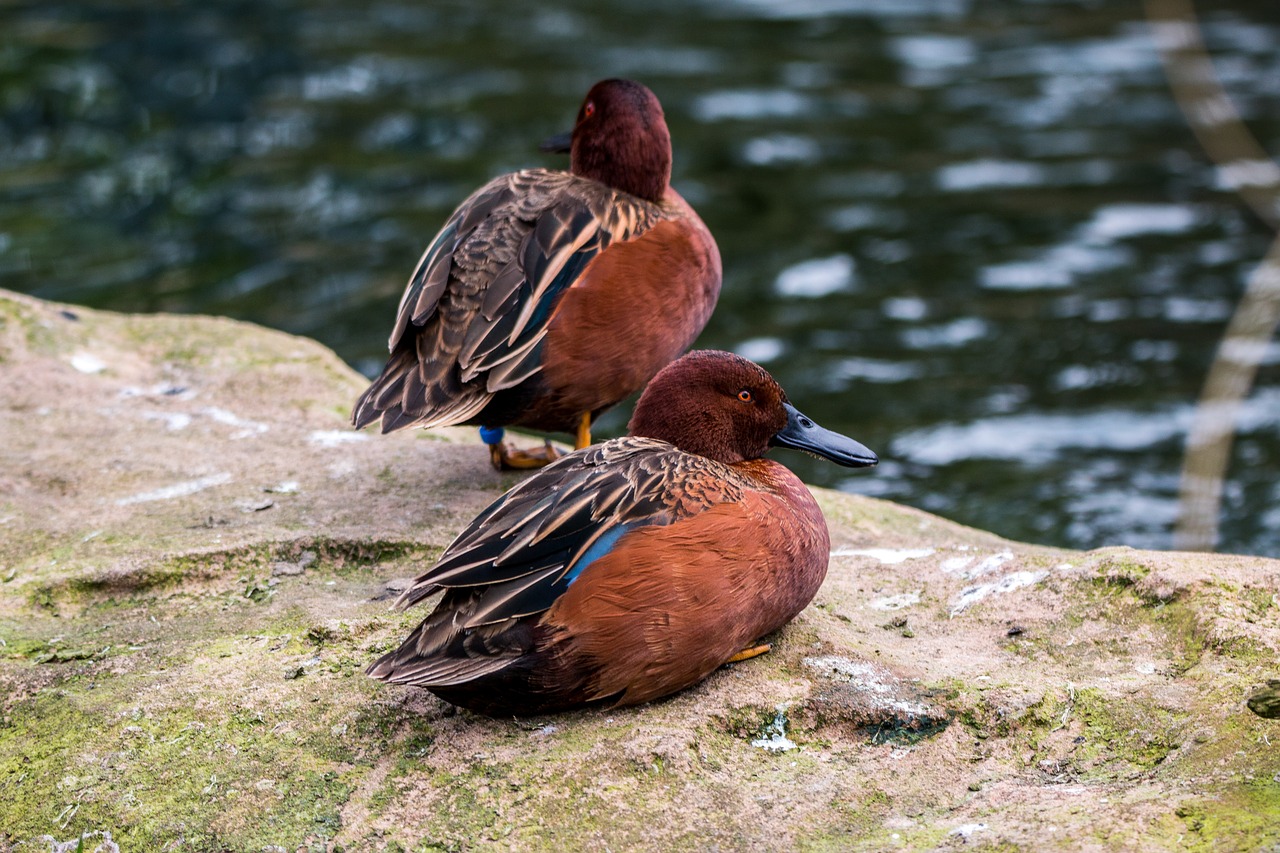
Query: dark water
[{"x": 978, "y": 236}]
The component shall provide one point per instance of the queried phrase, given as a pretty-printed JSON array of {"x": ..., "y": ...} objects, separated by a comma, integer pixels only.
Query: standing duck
[
  {"x": 633, "y": 569},
  {"x": 550, "y": 296}
]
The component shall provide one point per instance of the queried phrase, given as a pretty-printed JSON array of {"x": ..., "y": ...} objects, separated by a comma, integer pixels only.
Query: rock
[
  {"x": 1265, "y": 701},
  {"x": 176, "y": 670}
]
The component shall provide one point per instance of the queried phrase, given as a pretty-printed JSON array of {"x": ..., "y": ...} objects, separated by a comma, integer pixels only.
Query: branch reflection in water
[{"x": 1229, "y": 143}]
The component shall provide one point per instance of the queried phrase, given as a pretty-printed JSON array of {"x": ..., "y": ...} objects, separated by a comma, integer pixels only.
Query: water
[{"x": 979, "y": 237}]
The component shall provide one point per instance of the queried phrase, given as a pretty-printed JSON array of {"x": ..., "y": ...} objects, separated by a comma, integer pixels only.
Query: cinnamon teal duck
[
  {"x": 632, "y": 569},
  {"x": 549, "y": 296}
]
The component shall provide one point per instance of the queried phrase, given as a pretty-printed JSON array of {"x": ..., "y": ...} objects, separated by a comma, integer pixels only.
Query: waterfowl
[
  {"x": 549, "y": 296},
  {"x": 632, "y": 569}
]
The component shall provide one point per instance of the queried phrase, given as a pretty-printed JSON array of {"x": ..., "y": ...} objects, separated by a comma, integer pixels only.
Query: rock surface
[{"x": 196, "y": 558}]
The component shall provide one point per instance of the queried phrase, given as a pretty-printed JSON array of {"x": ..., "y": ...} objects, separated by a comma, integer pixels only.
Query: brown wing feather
[
  {"x": 475, "y": 312},
  {"x": 512, "y": 560}
]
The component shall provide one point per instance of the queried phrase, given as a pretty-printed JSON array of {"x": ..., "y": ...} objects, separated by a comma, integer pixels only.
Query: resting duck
[
  {"x": 633, "y": 569},
  {"x": 550, "y": 296}
]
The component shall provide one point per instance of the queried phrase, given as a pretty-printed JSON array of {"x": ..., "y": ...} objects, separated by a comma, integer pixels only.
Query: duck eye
[
  {"x": 744, "y": 395},
  {"x": 588, "y": 109}
]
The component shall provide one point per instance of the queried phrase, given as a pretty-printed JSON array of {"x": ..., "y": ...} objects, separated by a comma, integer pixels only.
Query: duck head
[
  {"x": 728, "y": 408},
  {"x": 620, "y": 139}
]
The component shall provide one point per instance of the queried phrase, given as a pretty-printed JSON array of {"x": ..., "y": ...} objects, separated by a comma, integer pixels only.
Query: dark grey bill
[
  {"x": 561, "y": 143},
  {"x": 801, "y": 433}
]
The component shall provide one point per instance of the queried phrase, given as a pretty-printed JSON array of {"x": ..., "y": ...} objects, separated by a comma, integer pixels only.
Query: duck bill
[
  {"x": 561, "y": 143},
  {"x": 801, "y": 433}
]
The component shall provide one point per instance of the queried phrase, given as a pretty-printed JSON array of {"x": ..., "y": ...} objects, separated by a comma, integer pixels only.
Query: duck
[
  {"x": 550, "y": 296},
  {"x": 630, "y": 570}
]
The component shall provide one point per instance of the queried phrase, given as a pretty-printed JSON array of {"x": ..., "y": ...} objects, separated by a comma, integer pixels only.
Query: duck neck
[{"x": 638, "y": 164}]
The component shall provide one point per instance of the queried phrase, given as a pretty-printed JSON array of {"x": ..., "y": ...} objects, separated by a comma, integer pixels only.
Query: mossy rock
[{"x": 196, "y": 561}]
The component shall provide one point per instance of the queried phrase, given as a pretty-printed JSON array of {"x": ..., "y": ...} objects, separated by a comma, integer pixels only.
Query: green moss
[
  {"x": 240, "y": 572},
  {"x": 749, "y": 721},
  {"x": 859, "y": 825},
  {"x": 40, "y": 337},
  {"x": 1120, "y": 570},
  {"x": 1259, "y": 600},
  {"x": 154, "y": 779},
  {"x": 1245, "y": 818},
  {"x": 1138, "y": 734},
  {"x": 1184, "y": 631},
  {"x": 980, "y": 715}
]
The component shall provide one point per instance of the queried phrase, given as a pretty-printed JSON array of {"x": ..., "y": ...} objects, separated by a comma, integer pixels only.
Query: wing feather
[
  {"x": 526, "y": 549},
  {"x": 475, "y": 312},
  {"x": 554, "y": 517}
]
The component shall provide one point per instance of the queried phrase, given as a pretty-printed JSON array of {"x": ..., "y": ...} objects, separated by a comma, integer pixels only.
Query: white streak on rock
[
  {"x": 335, "y": 437},
  {"x": 886, "y": 556},
  {"x": 247, "y": 427},
  {"x": 895, "y": 602},
  {"x": 967, "y": 829},
  {"x": 869, "y": 679},
  {"x": 990, "y": 564},
  {"x": 970, "y": 596},
  {"x": 173, "y": 421},
  {"x": 161, "y": 389},
  {"x": 774, "y": 737},
  {"x": 88, "y": 363},
  {"x": 177, "y": 490}
]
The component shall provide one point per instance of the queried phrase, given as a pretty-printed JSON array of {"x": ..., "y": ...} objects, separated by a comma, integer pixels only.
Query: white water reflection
[
  {"x": 760, "y": 350},
  {"x": 986, "y": 174},
  {"x": 1123, "y": 221},
  {"x": 908, "y": 309},
  {"x": 1093, "y": 249},
  {"x": 1038, "y": 438},
  {"x": 750, "y": 104},
  {"x": 817, "y": 9},
  {"x": 957, "y": 333},
  {"x": 845, "y": 370},
  {"x": 817, "y": 277},
  {"x": 932, "y": 60},
  {"x": 779, "y": 148}
]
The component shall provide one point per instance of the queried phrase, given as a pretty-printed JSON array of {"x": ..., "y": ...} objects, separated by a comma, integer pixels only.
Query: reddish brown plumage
[
  {"x": 550, "y": 295},
  {"x": 603, "y": 337},
  {"x": 630, "y": 570},
  {"x": 668, "y": 605}
]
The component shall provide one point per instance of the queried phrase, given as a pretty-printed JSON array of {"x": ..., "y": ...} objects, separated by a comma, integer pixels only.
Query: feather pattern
[
  {"x": 556, "y": 517},
  {"x": 523, "y": 552},
  {"x": 475, "y": 312}
]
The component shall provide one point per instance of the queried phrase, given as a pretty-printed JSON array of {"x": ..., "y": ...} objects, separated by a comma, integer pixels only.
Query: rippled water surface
[{"x": 977, "y": 236}]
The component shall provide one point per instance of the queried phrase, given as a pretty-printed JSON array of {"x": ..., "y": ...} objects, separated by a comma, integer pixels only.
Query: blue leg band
[{"x": 491, "y": 435}]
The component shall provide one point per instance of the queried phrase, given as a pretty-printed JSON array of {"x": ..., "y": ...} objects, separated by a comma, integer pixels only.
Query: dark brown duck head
[
  {"x": 728, "y": 408},
  {"x": 620, "y": 139}
]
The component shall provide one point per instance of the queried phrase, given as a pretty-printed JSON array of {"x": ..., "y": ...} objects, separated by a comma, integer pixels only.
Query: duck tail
[{"x": 406, "y": 394}]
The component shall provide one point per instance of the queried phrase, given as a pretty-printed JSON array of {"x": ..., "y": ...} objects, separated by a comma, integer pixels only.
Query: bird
[
  {"x": 549, "y": 296},
  {"x": 632, "y": 569}
]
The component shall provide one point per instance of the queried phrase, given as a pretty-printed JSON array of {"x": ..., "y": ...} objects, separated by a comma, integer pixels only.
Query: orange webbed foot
[
  {"x": 507, "y": 457},
  {"x": 750, "y": 652}
]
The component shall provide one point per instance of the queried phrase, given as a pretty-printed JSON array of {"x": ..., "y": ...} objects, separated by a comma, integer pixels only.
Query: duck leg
[
  {"x": 507, "y": 457},
  {"x": 584, "y": 432},
  {"x": 750, "y": 652}
]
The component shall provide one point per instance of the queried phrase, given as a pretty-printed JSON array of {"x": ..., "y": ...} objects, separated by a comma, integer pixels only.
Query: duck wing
[
  {"x": 474, "y": 314},
  {"x": 524, "y": 551}
]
